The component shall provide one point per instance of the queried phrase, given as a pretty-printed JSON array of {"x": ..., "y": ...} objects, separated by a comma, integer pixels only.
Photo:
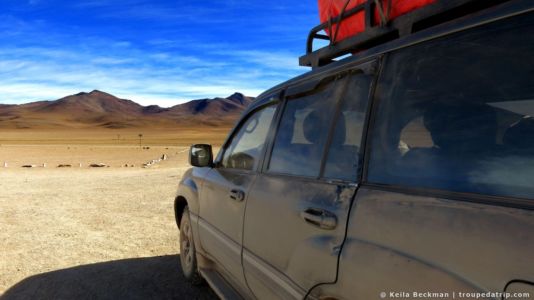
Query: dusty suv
[{"x": 404, "y": 170}]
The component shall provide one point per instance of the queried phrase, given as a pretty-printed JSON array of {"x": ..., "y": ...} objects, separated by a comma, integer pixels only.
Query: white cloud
[
  {"x": 162, "y": 71},
  {"x": 111, "y": 60},
  {"x": 163, "y": 78}
]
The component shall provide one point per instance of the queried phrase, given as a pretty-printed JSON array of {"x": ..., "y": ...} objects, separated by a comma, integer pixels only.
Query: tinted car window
[
  {"x": 245, "y": 148},
  {"x": 455, "y": 113},
  {"x": 343, "y": 160},
  {"x": 302, "y": 133}
]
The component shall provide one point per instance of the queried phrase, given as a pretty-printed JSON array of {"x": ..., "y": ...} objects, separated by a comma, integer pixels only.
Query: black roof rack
[{"x": 373, "y": 35}]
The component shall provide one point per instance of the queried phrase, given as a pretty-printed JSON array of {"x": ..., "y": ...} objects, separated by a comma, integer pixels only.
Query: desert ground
[{"x": 83, "y": 233}]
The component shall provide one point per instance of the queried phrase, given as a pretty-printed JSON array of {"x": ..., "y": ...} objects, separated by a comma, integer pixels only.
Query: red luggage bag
[{"x": 356, "y": 23}]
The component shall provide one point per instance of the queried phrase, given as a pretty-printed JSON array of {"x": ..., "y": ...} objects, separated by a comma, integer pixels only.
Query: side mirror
[{"x": 201, "y": 155}]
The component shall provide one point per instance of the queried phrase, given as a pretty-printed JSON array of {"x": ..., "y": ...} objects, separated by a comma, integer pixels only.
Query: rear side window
[
  {"x": 457, "y": 113},
  {"x": 343, "y": 158},
  {"x": 324, "y": 126},
  {"x": 302, "y": 134}
]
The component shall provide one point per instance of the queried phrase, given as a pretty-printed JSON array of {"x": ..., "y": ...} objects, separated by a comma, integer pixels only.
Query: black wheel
[{"x": 188, "y": 257}]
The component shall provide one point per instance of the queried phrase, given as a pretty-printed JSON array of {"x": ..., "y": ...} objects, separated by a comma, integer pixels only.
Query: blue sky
[{"x": 150, "y": 51}]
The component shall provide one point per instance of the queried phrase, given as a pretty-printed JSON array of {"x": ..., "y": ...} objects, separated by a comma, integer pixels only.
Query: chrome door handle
[
  {"x": 320, "y": 218},
  {"x": 237, "y": 195}
]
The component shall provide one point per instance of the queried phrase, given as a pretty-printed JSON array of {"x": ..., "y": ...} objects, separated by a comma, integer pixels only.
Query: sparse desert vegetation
[{"x": 74, "y": 232}]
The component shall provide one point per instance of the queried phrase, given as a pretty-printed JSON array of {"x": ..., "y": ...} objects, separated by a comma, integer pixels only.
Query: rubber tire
[{"x": 189, "y": 268}]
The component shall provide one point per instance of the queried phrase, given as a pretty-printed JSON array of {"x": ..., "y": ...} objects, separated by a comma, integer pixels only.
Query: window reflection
[{"x": 455, "y": 117}]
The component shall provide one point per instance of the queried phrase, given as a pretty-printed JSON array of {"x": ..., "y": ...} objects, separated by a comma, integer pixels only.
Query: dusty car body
[{"x": 403, "y": 171}]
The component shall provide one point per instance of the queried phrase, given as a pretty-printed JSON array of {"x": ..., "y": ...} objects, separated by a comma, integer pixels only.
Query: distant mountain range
[{"x": 102, "y": 110}]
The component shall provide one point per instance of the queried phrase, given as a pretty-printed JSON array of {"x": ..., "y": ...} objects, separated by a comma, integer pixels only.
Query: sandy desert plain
[{"x": 85, "y": 233}]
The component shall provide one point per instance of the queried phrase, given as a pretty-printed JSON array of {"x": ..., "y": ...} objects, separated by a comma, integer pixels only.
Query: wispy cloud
[
  {"x": 153, "y": 52},
  {"x": 50, "y": 74},
  {"x": 111, "y": 61}
]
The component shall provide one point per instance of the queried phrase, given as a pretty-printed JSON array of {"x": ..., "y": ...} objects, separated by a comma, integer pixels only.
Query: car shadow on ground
[{"x": 157, "y": 277}]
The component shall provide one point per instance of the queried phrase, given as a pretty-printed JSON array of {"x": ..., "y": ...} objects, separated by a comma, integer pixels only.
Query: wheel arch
[
  {"x": 179, "y": 206},
  {"x": 187, "y": 196}
]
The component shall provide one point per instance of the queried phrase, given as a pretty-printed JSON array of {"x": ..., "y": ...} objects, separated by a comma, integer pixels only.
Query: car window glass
[
  {"x": 343, "y": 160},
  {"x": 456, "y": 113},
  {"x": 302, "y": 133},
  {"x": 247, "y": 144}
]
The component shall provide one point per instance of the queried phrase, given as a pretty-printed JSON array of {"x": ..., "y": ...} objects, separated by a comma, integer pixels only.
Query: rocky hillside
[{"x": 103, "y": 110}]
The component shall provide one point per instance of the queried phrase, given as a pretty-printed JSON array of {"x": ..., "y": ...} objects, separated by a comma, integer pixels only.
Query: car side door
[
  {"x": 446, "y": 204},
  {"x": 298, "y": 206},
  {"x": 223, "y": 194}
]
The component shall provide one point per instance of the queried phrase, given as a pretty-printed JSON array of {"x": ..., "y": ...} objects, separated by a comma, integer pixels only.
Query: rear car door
[
  {"x": 223, "y": 194},
  {"x": 447, "y": 206},
  {"x": 298, "y": 206}
]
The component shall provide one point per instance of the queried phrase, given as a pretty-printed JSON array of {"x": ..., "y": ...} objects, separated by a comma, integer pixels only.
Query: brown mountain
[
  {"x": 99, "y": 109},
  {"x": 95, "y": 102}
]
